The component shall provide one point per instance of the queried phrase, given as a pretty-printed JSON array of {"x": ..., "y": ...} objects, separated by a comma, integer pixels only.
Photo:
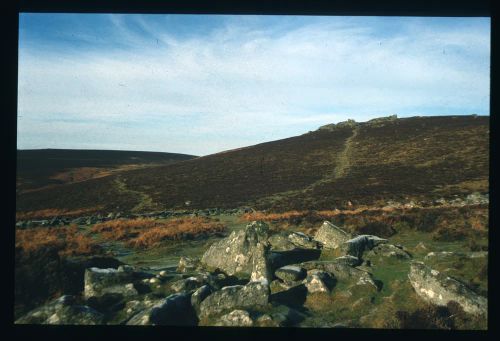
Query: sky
[{"x": 201, "y": 84}]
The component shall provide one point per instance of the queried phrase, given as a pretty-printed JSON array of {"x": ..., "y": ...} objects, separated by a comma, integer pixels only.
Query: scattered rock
[
  {"x": 261, "y": 270},
  {"x": 278, "y": 285},
  {"x": 290, "y": 273},
  {"x": 343, "y": 272},
  {"x": 389, "y": 250},
  {"x": 132, "y": 308},
  {"x": 348, "y": 260},
  {"x": 279, "y": 316},
  {"x": 234, "y": 254},
  {"x": 236, "y": 318},
  {"x": 174, "y": 310},
  {"x": 444, "y": 254},
  {"x": 357, "y": 245},
  {"x": 101, "y": 281},
  {"x": 439, "y": 289},
  {"x": 62, "y": 311},
  {"x": 107, "y": 303},
  {"x": 331, "y": 236},
  {"x": 254, "y": 294},
  {"x": 303, "y": 241},
  {"x": 280, "y": 242},
  {"x": 187, "y": 284},
  {"x": 187, "y": 264},
  {"x": 198, "y": 296},
  {"x": 319, "y": 281}
]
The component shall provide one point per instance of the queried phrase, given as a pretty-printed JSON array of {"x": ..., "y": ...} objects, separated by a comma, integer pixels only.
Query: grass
[
  {"x": 144, "y": 233},
  {"x": 68, "y": 240}
]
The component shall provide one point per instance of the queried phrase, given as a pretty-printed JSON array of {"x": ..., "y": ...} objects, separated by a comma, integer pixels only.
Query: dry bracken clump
[
  {"x": 146, "y": 233},
  {"x": 67, "y": 240}
]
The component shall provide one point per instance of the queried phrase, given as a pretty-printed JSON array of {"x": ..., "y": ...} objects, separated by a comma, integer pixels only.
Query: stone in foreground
[
  {"x": 290, "y": 273},
  {"x": 357, "y": 246},
  {"x": 331, "y": 236},
  {"x": 187, "y": 264},
  {"x": 236, "y": 318},
  {"x": 62, "y": 311},
  {"x": 235, "y": 254},
  {"x": 389, "y": 250},
  {"x": 439, "y": 289},
  {"x": 175, "y": 310},
  {"x": 303, "y": 241},
  {"x": 254, "y": 294},
  {"x": 98, "y": 282},
  {"x": 319, "y": 281}
]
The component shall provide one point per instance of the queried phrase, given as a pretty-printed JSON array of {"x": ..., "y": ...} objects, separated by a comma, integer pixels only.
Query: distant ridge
[
  {"x": 38, "y": 167},
  {"x": 384, "y": 159}
]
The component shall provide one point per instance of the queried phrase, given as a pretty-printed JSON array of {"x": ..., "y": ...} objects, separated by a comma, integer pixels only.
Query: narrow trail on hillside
[
  {"x": 343, "y": 160},
  {"x": 145, "y": 200}
]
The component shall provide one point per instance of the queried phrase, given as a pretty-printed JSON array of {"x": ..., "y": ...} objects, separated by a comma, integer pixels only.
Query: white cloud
[{"x": 251, "y": 83}]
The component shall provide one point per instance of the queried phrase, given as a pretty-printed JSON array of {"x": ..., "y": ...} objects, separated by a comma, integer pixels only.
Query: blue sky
[{"x": 200, "y": 84}]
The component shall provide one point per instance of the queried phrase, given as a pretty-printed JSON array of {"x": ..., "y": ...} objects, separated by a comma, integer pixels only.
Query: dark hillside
[
  {"x": 380, "y": 160},
  {"x": 42, "y": 167}
]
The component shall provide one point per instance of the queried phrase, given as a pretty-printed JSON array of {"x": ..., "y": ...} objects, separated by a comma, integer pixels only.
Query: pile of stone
[{"x": 250, "y": 278}]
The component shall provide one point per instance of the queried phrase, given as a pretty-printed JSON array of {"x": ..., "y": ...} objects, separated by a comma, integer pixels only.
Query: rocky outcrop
[
  {"x": 187, "y": 264},
  {"x": 64, "y": 311},
  {"x": 302, "y": 240},
  {"x": 234, "y": 255},
  {"x": 175, "y": 310},
  {"x": 188, "y": 284},
  {"x": 358, "y": 245},
  {"x": 198, "y": 296},
  {"x": 389, "y": 250},
  {"x": 439, "y": 289},
  {"x": 290, "y": 273},
  {"x": 236, "y": 318},
  {"x": 104, "y": 281},
  {"x": 254, "y": 294},
  {"x": 343, "y": 272},
  {"x": 261, "y": 268},
  {"x": 319, "y": 281},
  {"x": 331, "y": 236},
  {"x": 281, "y": 242}
]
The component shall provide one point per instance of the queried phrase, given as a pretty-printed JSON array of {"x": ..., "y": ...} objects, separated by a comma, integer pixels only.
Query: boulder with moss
[
  {"x": 254, "y": 294},
  {"x": 439, "y": 289},
  {"x": 63, "y": 311},
  {"x": 174, "y": 310},
  {"x": 235, "y": 254},
  {"x": 331, "y": 236}
]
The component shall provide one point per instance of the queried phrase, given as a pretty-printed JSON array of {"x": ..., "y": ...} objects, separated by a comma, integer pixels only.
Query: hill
[
  {"x": 39, "y": 168},
  {"x": 417, "y": 158}
]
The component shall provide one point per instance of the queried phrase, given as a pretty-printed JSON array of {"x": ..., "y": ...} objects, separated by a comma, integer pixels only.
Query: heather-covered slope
[{"x": 420, "y": 158}]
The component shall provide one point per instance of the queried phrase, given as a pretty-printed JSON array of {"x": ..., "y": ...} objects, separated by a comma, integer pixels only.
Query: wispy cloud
[{"x": 244, "y": 83}]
